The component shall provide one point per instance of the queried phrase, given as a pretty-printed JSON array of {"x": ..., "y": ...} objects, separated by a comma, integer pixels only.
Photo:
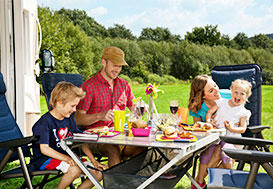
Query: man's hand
[{"x": 107, "y": 116}]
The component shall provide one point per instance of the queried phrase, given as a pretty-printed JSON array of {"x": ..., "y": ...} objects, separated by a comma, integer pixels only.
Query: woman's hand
[{"x": 213, "y": 123}]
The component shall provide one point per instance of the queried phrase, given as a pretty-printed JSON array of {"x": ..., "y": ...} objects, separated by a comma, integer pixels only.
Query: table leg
[
  {"x": 177, "y": 158},
  {"x": 81, "y": 165}
]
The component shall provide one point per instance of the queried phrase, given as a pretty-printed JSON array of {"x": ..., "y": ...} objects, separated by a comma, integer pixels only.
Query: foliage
[
  {"x": 140, "y": 71},
  {"x": 138, "y": 80},
  {"x": 159, "y": 34},
  {"x": 168, "y": 79},
  {"x": 208, "y": 35},
  {"x": 154, "y": 78},
  {"x": 86, "y": 23},
  {"x": 77, "y": 42},
  {"x": 71, "y": 47},
  {"x": 125, "y": 77},
  {"x": 261, "y": 41},
  {"x": 156, "y": 56},
  {"x": 241, "y": 40},
  {"x": 120, "y": 31}
]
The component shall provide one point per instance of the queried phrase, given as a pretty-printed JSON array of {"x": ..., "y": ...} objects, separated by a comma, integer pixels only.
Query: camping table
[{"x": 183, "y": 150}]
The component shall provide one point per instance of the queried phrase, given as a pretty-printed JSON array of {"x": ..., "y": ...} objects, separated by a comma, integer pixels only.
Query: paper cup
[{"x": 119, "y": 120}]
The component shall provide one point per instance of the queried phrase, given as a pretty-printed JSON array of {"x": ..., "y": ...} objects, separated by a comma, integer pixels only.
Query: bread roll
[
  {"x": 170, "y": 132},
  {"x": 139, "y": 123}
]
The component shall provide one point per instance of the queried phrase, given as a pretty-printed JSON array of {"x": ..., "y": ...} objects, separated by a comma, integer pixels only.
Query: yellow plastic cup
[{"x": 119, "y": 120}]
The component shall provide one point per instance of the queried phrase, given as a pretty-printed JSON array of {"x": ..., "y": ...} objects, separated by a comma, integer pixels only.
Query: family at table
[{"x": 104, "y": 92}]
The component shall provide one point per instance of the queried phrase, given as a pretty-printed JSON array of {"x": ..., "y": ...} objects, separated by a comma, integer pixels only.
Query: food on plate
[
  {"x": 206, "y": 126},
  {"x": 104, "y": 130},
  {"x": 170, "y": 132},
  {"x": 202, "y": 125},
  {"x": 197, "y": 125},
  {"x": 185, "y": 134},
  {"x": 139, "y": 123}
]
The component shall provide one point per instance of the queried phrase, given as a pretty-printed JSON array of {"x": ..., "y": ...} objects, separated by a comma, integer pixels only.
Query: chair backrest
[
  {"x": 8, "y": 128},
  {"x": 50, "y": 80},
  {"x": 224, "y": 75}
]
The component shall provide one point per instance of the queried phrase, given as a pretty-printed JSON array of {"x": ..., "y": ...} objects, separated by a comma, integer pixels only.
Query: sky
[{"x": 251, "y": 17}]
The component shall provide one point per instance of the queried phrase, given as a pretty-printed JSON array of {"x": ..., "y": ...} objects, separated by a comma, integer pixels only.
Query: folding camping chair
[
  {"x": 224, "y": 75},
  {"x": 228, "y": 178},
  {"x": 14, "y": 146},
  {"x": 50, "y": 80}
]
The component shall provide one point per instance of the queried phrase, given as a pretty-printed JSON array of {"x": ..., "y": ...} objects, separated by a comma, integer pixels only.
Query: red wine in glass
[
  {"x": 173, "y": 109},
  {"x": 140, "y": 110}
]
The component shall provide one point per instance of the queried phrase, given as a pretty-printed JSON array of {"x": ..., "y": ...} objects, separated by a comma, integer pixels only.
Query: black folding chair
[{"x": 14, "y": 146}]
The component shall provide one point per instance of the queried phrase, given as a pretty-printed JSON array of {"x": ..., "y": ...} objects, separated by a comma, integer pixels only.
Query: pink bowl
[{"x": 141, "y": 132}]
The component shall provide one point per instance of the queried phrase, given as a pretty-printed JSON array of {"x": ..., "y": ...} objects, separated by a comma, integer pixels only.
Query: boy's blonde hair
[
  {"x": 246, "y": 85},
  {"x": 64, "y": 92},
  {"x": 197, "y": 92}
]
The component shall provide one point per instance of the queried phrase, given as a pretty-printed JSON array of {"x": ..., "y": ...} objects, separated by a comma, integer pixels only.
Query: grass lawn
[{"x": 177, "y": 92}]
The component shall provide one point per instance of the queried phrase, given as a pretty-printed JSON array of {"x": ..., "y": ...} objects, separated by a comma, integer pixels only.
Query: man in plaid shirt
[{"x": 105, "y": 92}]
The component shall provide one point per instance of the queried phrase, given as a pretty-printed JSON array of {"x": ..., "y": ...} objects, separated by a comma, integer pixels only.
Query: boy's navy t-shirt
[{"x": 51, "y": 131}]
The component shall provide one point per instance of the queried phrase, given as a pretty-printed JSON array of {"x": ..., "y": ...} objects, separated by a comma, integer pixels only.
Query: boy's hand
[
  {"x": 98, "y": 165},
  {"x": 70, "y": 161}
]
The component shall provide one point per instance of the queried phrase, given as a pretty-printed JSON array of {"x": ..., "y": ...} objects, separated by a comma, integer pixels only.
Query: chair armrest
[
  {"x": 249, "y": 155},
  {"x": 246, "y": 141},
  {"x": 18, "y": 142},
  {"x": 257, "y": 129}
]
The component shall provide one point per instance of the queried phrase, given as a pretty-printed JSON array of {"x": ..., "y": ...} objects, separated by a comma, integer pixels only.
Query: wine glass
[
  {"x": 140, "y": 108},
  {"x": 174, "y": 106}
]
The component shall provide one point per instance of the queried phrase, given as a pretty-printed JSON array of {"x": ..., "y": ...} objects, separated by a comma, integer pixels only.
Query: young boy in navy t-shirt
[{"x": 58, "y": 124}]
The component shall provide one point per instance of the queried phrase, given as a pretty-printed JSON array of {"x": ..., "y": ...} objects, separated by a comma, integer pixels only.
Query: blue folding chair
[
  {"x": 228, "y": 178},
  {"x": 223, "y": 76},
  {"x": 14, "y": 146},
  {"x": 50, "y": 80}
]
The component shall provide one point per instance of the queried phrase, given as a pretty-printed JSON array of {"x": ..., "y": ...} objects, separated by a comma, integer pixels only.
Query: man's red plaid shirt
[{"x": 99, "y": 97}]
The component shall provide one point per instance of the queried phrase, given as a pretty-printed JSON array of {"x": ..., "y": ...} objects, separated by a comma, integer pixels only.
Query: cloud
[
  {"x": 68, "y": 4},
  {"x": 99, "y": 11},
  {"x": 232, "y": 16}
]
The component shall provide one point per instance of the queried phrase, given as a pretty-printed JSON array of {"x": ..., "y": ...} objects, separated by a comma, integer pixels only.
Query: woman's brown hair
[{"x": 197, "y": 92}]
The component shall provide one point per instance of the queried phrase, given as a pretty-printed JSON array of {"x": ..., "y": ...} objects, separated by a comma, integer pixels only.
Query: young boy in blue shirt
[{"x": 58, "y": 124}]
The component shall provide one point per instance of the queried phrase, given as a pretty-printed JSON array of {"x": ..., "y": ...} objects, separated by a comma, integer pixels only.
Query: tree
[
  {"x": 242, "y": 41},
  {"x": 120, "y": 31},
  {"x": 86, "y": 23},
  {"x": 261, "y": 41},
  {"x": 159, "y": 34},
  {"x": 209, "y": 35},
  {"x": 156, "y": 56},
  {"x": 71, "y": 47}
]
